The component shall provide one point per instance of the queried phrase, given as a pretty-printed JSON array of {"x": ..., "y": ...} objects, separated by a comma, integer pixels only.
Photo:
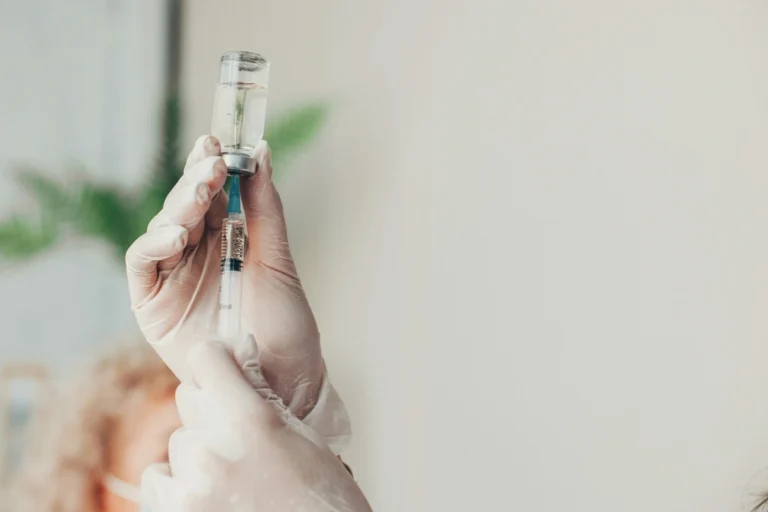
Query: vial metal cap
[{"x": 239, "y": 164}]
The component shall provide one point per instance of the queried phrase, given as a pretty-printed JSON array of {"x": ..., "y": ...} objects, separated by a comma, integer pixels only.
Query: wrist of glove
[{"x": 328, "y": 417}]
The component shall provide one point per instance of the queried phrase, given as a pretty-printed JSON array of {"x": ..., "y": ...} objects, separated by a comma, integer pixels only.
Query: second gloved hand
[
  {"x": 173, "y": 276},
  {"x": 241, "y": 450}
]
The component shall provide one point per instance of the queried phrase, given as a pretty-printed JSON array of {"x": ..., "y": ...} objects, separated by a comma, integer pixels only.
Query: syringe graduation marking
[{"x": 232, "y": 255}]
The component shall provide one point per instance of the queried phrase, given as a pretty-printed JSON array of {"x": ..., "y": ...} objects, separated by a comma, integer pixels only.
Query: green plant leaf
[
  {"x": 294, "y": 130},
  {"x": 106, "y": 213},
  {"x": 148, "y": 205},
  {"x": 21, "y": 238},
  {"x": 119, "y": 217},
  {"x": 52, "y": 198}
]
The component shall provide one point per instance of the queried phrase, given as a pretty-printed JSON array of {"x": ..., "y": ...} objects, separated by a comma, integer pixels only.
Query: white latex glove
[
  {"x": 241, "y": 450},
  {"x": 174, "y": 274}
]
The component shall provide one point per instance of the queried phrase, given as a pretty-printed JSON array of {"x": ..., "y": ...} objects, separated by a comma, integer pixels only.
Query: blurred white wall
[
  {"x": 81, "y": 91},
  {"x": 533, "y": 234}
]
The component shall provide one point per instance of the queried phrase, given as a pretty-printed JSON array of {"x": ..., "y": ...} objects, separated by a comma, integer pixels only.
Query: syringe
[{"x": 232, "y": 256}]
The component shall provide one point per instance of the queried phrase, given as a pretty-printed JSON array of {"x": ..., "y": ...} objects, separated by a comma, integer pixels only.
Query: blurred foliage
[{"x": 74, "y": 205}]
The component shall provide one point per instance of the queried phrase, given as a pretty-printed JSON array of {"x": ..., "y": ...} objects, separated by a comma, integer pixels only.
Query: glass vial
[{"x": 240, "y": 108}]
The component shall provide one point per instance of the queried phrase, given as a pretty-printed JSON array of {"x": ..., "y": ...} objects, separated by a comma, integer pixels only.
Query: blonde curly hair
[{"x": 67, "y": 446}]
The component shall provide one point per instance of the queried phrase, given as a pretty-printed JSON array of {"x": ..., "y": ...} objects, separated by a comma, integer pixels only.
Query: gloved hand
[
  {"x": 174, "y": 274},
  {"x": 241, "y": 450}
]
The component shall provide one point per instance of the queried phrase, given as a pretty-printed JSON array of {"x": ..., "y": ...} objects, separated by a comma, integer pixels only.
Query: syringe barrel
[
  {"x": 230, "y": 293},
  {"x": 233, "y": 244},
  {"x": 233, "y": 241}
]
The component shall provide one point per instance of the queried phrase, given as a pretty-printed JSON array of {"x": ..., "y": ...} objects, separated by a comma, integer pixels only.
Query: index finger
[
  {"x": 189, "y": 200},
  {"x": 205, "y": 145}
]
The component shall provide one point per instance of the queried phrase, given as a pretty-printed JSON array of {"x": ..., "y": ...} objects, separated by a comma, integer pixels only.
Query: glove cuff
[{"x": 329, "y": 418}]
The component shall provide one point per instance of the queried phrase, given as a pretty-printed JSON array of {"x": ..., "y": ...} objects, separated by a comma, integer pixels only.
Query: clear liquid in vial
[{"x": 239, "y": 111}]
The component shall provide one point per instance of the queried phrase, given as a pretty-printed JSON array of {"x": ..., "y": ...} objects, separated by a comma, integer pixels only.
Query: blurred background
[{"x": 532, "y": 232}]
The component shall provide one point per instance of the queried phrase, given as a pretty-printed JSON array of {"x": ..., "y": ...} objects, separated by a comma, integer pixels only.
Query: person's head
[{"x": 88, "y": 442}]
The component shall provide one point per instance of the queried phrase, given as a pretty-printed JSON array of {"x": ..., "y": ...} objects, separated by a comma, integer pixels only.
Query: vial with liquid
[{"x": 240, "y": 108}]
